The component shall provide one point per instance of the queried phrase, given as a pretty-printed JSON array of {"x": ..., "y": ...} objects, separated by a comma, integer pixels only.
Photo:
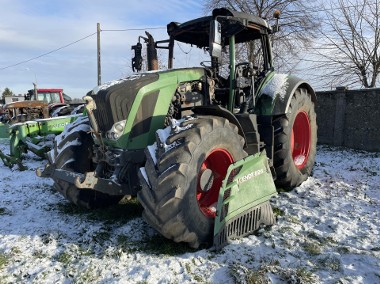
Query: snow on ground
[{"x": 327, "y": 232}]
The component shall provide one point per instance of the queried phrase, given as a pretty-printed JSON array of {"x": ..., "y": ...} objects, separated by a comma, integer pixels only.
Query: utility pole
[
  {"x": 35, "y": 91},
  {"x": 98, "y": 55}
]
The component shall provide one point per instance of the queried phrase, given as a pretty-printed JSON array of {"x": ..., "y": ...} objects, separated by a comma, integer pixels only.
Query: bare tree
[
  {"x": 349, "y": 51},
  {"x": 298, "y": 22}
]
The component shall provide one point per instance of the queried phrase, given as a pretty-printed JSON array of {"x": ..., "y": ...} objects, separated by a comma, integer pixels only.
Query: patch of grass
[
  {"x": 330, "y": 262},
  {"x": 343, "y": 250},
  {"x": 3, "y": 260},
  {"x": 294, "y": 219},
  {"x": 39, "y": 254},
  {"x": 122, "y": 212},
  {"x": 198, "y": 279},
  {"x": 188, "y": 268},
  {"x": 256, "y": 277},
  {"x": 64, "y": 258},
  {"x": 101, "y": 237},
  {"x": 312, "y": 248},
  {"x": 3, "y": 211},
  {"x": 88, "y": 275},
  {"x": 322, "y": 240},
  {"x": 375, "y": 249},
  {"x": 156, "y": 244},
  {"x": 71, "y": 209},
  {"x": 241, "y": 274},
  {"x": 304, "y": 275},
  {"x": 287, "y": 229},
  {"x": 15, "y": 251},
  {"x": 278, "y": 212},
  {"x": 314, "y": 236},
  {"x": 290, "y": 275}
]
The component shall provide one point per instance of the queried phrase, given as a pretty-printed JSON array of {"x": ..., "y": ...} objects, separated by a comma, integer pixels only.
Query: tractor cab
[{"x": 224, "y": 29}]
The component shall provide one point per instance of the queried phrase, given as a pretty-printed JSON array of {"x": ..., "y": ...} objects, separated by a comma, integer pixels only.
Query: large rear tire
[
  {"x": 295, "y": 141},
  {"x": 73, "y": 152},
  {"x": 183, "y": 175}
]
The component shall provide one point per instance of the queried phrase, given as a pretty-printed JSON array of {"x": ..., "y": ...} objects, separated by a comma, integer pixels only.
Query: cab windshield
[{"x": 49, "y": 97}]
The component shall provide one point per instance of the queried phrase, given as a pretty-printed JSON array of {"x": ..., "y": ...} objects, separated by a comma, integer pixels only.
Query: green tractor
[{"x": 202, "y": 152}]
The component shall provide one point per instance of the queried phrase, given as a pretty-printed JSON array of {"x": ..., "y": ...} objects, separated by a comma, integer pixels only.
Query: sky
[{"x": 29, "y": 29}]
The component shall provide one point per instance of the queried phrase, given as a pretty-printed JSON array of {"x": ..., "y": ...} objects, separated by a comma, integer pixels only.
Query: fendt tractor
[{"x": 201, "y": 151}]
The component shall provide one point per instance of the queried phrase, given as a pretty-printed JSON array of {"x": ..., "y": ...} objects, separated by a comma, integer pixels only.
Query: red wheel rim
[
  {"x": 301, "y": 139},
  {"x": 210, "y": 178}
]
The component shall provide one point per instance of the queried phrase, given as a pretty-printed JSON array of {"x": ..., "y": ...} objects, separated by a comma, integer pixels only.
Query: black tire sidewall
[
  {"x": 300, "y": 102},
  {"x": 77, "y": 158},
  {"x": 222, "y": 138}
]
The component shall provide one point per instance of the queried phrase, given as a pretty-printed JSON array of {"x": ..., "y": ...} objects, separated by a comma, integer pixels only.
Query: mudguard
[
  {"x": 243, "y": 204},
  {"x": 275, "y": 93}
]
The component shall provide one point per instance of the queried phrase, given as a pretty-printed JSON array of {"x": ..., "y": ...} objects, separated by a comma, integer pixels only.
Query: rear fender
[{"x": 275, "y": 95}]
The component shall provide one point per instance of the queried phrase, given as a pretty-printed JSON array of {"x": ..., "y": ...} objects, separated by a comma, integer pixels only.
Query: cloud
[{"x": 31, "y": 28}]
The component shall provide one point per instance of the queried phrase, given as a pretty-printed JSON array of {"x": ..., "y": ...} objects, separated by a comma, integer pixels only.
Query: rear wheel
[
  {"x": 183, "y": 175},
  {"x": 295, "y": 141},
  {"x": 73, "y": 152}
]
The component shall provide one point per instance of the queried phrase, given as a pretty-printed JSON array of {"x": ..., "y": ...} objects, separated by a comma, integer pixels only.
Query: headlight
[{"x": 116, "y": 130}]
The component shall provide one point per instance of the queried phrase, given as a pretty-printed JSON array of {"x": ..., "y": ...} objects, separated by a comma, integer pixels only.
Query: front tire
[
  {"x": 295, "y": 141},
  {"x": 73, "y": 152},
  {"x": 183, "y": 174}
]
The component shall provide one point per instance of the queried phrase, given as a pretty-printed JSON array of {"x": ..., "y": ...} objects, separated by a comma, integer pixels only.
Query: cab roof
[{"x": 245, "y": 27}]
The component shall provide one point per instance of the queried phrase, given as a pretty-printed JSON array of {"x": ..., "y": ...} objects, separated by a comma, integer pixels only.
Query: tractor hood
[
  {"x": 142, "y": 101},
  {"x": 114, "y": 99}
]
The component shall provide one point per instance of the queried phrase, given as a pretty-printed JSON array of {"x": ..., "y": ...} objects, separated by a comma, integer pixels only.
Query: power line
[
  {"x": 47, "y": 53},
  {"x": 74, "y": 42},
  {"x": 135, "y": 29}
]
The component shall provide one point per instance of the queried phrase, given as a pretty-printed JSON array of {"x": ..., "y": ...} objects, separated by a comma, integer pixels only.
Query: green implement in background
[
  {"x": 34, "y": 136},
  {"x": 4, "y": 130}
]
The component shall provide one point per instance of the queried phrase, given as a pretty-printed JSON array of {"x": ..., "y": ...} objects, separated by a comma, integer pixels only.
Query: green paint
[
  {"x": 25, "y": 137},
  {"x": 252, "y": 186},
  {"x": 166, "y": 85},
  {"x": 4, "y": 130}
]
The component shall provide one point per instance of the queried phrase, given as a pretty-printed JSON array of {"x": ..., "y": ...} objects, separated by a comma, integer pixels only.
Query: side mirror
[{"x": 215, "y": 45}]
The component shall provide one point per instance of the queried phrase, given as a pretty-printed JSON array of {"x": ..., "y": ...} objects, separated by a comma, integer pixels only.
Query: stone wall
[{"x": 349, "y": 118}]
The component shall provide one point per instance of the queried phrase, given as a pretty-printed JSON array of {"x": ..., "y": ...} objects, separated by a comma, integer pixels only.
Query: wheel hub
[
  {"x": 206, "y": 180},
  {"x": 210, "y": 178},
  {"x": 301, "y": 139}
]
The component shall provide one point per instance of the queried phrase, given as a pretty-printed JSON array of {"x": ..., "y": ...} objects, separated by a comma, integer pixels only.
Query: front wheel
[
  {"x": 72, "y": 151},
  {"x": 295, "y": 141},
  {"x": 183, "y": 175}
]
